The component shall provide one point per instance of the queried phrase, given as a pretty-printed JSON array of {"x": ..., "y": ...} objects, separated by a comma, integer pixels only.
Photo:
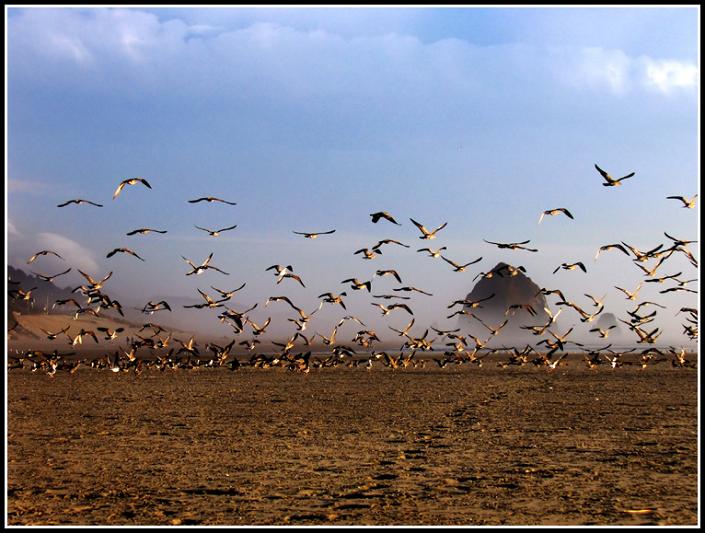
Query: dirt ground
[{"x": 455, "y": 446}]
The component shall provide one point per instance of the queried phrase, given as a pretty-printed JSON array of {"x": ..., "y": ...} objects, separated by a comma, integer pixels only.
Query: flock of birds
[{"x": 296, "y": 352}]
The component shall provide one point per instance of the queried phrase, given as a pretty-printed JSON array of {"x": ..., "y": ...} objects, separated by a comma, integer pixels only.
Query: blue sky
[{"x": 311, "y": 119}]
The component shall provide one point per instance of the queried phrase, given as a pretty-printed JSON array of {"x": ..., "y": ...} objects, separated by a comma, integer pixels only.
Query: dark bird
[
  {"x": 432, "y": 253},
  {"x": 43, "y": 252},
  {"x": 79, "y": 201},
  {"x": 556, "y": 211},
  {"x": 215, "y": 233},
  {"x": 329, "y": 297},
  {"x": 460, "y": 268},
  {"x": 384, "y": 215},
  {"x": 412, "y": 289},
  {"x": 571, "y": 266},
  {"x": 609, "y": 247},
  {"x": 203, "y": 266},
  {"x": 609, "y": 181},
  {"x": 51, "y": 278},
  {"x": 394, "y": 273},
  {"x": 145, "y": 231},
  {"x": 512, "y": 245},
  {"x": 210, "y": 199},
  {"x": 425, "y": 233},
  {"x": 123, "y": 250},
  {"x": 356, "y": 284},
  {"x": 130, "y": 181},
  {"x": 313, "y": 235},
  {"x": 688, "y": 203}
]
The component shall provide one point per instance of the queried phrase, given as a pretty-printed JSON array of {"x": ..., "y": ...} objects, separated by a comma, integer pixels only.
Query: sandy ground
[{"x": 455, "y": 446}]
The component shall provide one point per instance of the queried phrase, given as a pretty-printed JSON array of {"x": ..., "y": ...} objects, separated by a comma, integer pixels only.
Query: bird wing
[{"x": 119, "y": 189}]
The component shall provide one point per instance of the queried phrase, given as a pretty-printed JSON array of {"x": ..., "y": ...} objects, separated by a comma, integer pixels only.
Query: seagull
[
  {"x": 210, "y": 303},
  {"x": 388, "y": 273},
  {"x": 79, "y": 201},
  {"x": 412, "y": 289},
  {"x": 202, "y": 267},
  {"x": 228, "y": 294},
  {"x": 391, "y": 296},
  {"x": 571, "y": 266},
  {"x": 329, "y": 297},
  {"x": 111, "y": 334},
  {"x": 280, "y": 270},
  {"x": 210, "y": 199},
  {"x": 688, "y": 203},
  {"x": 384, "y": 215},
  {"x": 50, "y": 278},
  {"x": 663, "y": 278},
  {"x": 377, "y": 246},
  {"x": 357, "y": 284},
  {"x": 292, "y": 276},
  {"x": 93, "y": 283},
  {"x": 513, "y": 245},
  {"x": 313, "y": 235},
  {"x": 124, "y": 250},
  {"x": 386, "y": 310},
  {"x": 609, "y": 247},
  {"x": 609, "y": 181},
  {"x": 215, "y": 233},
  {"x": 130, "y": 181},
  {"x": 472, "y": 304},
  {"x": 367, "y": 253},
  {"x": 603, "y": 332},
  {"x": 460, "y": 268},
  {"x": 428, "y": 234},
  {"x": 52, "y": 336},
  {"x": 595, "y": 301},
  {"x": 555, "y": 212},
  {"x": 145, "y": 231},
  {"x": 432, "y": 253},
  {"x": 43, "y": 252},
  {"x": 150, "y": 307},
  {"x": 630, "y": 295}
]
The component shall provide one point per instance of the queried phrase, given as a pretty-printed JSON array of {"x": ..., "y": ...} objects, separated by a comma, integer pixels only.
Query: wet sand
[{"x": 455, "y": 446}]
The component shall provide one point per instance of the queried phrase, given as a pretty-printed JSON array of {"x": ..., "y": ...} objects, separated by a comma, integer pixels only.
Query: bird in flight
[
  {"x": 688, "y": 203},
  {"x": 556, "y": 211},
  {"x": 630, "y": 295},
  {"x": 123, "y": 250},
  {"x": 388, "y": 309},
  {"x": 211, "y": 199},
  {"x": 432, "y": 253},
  {"x": 51, "y": 278},
  {"x": 425, "y": 233},
  {"x": 384, "y": 215},
  {"x": 313, "y": 235},
  {"x": 130, "y": 181},
  {"x": 356, "y": 284},
  {"x": 215, "y": 233},
  {"x": 394, "y": 273},
  {"x": 571, "y": 266},
  {"x": 512, "y": 245},
  {"x": 79, "y": 201},
  {"x": 609, "y": 180},
  {"x": 609, "y": 247},
  {"x": 203, "y": 266},
  {"x": 460, "y": 268},
  {"x": 43, "y": 252},
  {"x": 145, "y": 231}
]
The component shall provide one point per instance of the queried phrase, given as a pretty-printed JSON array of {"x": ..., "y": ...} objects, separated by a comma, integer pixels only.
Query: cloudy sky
[{"x": 311, "y": 119}]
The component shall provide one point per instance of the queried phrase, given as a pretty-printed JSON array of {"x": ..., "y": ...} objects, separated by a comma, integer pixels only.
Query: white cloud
[
  {"x": 669, "y": 75},
  {"x": 74, "y": 253}
]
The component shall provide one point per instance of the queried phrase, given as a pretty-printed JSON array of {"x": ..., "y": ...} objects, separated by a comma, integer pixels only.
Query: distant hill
[
  {"x": 508, "y": 290},
  {"x": 44, "y": 293}
]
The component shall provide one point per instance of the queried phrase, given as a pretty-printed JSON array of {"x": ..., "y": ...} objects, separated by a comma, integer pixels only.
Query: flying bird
[
  {"x": 460, "y": 268},
  {"x": 513, "y": 245},
  {"x": 432, "y": 253},
  {"x": 210, "y": 199},
  {"x": 384, "y": 215},
  {"x": 688, "y": 203},
  {"x": 215, "y": 233},
  {"x": 145, "y": 231},
  {"x": 425, "y": 233},
  {"x": 571, "y": 266},
  {"x": 43, "y": 252},
  {"x": 394, "y": 273},
  {"x": 313, "y": 235},
  {"x": 203, "y": 266},
  {"x": 123, "y": 250},
  {"x": 130, "y": 181},
  {"x": 556, "y": 211},
  {"x": 79, "y": 201},
  {"x": 609, "y": 247},
  {"x": 609, "y": 180},
  {"x": 51, "y": 278}
]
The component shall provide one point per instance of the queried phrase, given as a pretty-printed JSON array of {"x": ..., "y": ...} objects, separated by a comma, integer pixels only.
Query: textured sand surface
[{"x": 462, "y": 445}]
